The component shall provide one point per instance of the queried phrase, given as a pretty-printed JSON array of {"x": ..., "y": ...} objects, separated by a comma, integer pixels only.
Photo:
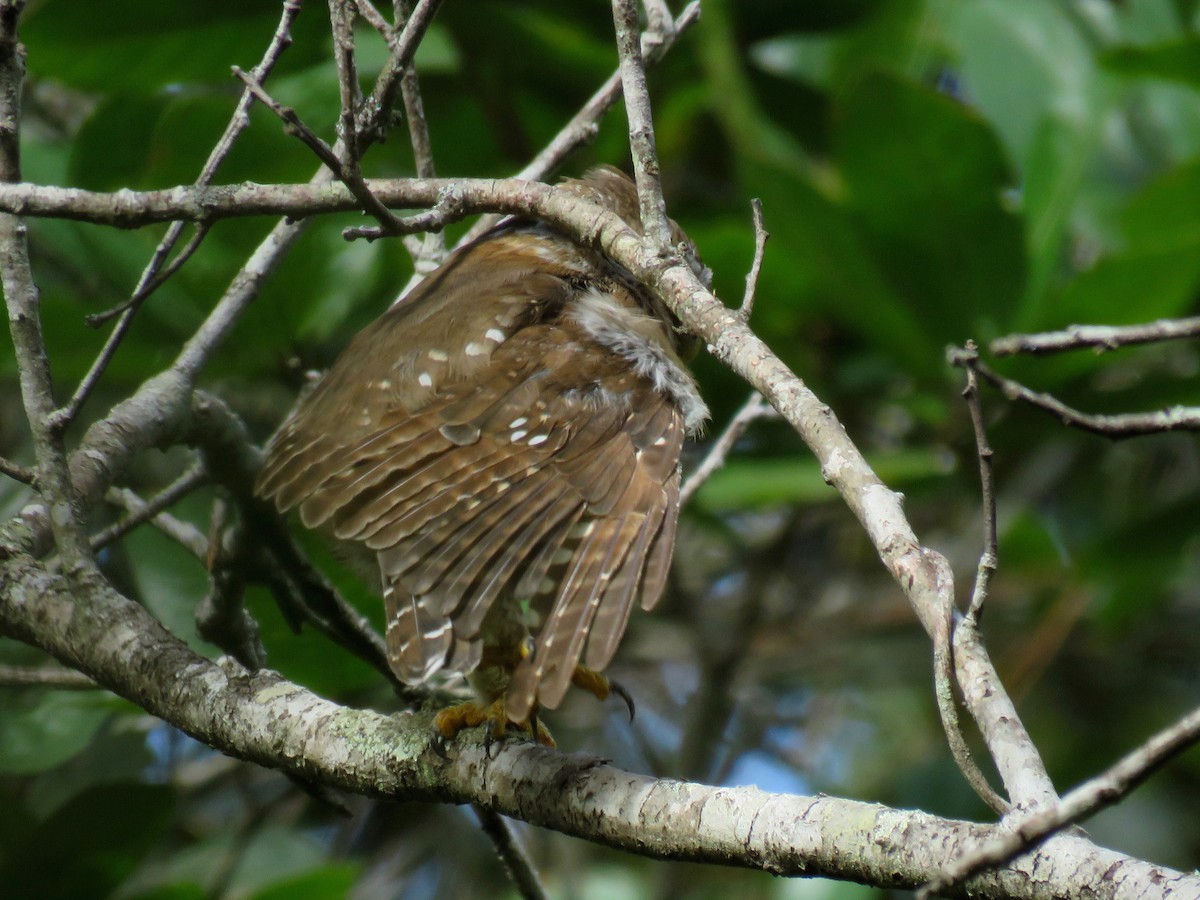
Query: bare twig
[
  {"x": 1117, "y": 427},
  {"x": 377, "y": 109},
  {"x": 53, "y": 479},
  {"x": 943, "y": 652},
  {"x": 16, "y": 471},
  {"x": 449, "y": 208},
  {"x": 943, "y": 686},
  {"x": 585, "y": 124},
  {"x": 155, "y": 274},
  {"x": 430, "y": 252},
  {"x": 761, "y": 235},
  {"x": 375, "y": 19},
  {"x": 512, "y": 854},
  {"x": 341, "y": 20},
  {"x": 655, "y": 225},
  {"x": 56, "y": 677},
  {"x": 989, "y": 558},
  {"x": 753, "y": 409},
  {"x": 346, "y": 171},
  {"x": 1011, "y": 839},
  {"x": 141, "y": 511},
  {"x": 221, "y": 616},
  {"x": 414, "y": 109},
  {"x": 1098, "y": 337}
]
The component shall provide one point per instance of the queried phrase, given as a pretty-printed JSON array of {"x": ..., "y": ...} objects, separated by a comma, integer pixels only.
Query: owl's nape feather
[{"x": 504, "y": 442}]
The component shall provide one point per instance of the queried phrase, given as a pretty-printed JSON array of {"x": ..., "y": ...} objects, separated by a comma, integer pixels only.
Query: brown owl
[{"x": 504, "y": 444}]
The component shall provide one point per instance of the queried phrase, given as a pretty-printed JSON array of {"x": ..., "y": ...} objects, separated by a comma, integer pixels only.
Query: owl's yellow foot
[
  {"x": 453, "y": 719},
  {"x": 601, "y": 686}
]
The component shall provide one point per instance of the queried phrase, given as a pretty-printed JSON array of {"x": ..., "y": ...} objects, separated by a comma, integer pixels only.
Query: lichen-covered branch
[{"x": 262, "y": 718}]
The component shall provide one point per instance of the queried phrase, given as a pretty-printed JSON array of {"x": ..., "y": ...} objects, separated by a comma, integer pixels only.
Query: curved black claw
[
  {"x": 620, "y": 691},
  {"x": 489, "y": 739},
  {"x": 534, "y": 726}
]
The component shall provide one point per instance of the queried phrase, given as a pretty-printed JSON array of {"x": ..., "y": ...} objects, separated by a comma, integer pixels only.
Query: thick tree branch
[
  {"x": 1089, "y": 798},
  {"x": 262, "y": 718}
]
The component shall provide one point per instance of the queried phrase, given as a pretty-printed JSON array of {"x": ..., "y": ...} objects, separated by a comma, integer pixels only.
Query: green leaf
[
  {"x": 148, "y": 44},
  {"x": 332, "y": 882},
  {"x": 41, "y": 729},
  {"x": 1157, "y": 271},
  {"x": 925, "y": 180},
  {"x": 91, "y": 844},
  {"x": 748, "y": 483},
  {"x": 124, "y": 121},
  {"x": 1176, "y": 60}
]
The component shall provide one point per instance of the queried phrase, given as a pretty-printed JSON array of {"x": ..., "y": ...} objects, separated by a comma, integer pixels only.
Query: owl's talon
[
  {"x": 617, "y": 688},
  {"x": 601, "y": 687}
]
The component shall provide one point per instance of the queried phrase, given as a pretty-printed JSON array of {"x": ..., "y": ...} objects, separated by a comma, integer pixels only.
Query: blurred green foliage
[{"x": 931, "y": 171}]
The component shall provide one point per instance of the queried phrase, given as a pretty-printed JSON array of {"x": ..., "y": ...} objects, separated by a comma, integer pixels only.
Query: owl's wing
[{"x": 545, "y": 475}]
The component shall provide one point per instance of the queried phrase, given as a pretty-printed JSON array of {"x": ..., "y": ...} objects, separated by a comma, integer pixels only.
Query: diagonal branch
[
  {"x": 157, "y": 271},
  {"x": 641, "y": 125},
  {"x": 1116, "y": 427}
]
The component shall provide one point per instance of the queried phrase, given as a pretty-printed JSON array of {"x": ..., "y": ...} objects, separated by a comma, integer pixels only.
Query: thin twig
[
  {"x": 753, "y": 409},
  {"x": 142, "y": 511},
  {"x": 154, "y": 275},
  {"x": 449, "y": 208},
  {"x": 375, "y": 19},
  {"x": 1097, "y": 337},
  {"x": 16, "y": 471},
  {"x": 221, "y": 615},
  {"x": 1010, "y": 839},
  {"x": 943, "y": 683},
  {"x": 372, "y": 127},
  {"x": 21, "y": 297},
  {"x": 183, "y": 533},
  {"x": 375, "y": 117},
  {"x": 346, "y": 172},
  {"x": 655, "y": 224},
  {"x": 512, "y": 855},
  {"x": 341, "y": 20},
  {"x": 57, "y": 677},
  {"x": 989, "y": 558},
  {"x": 430, "y": 252},
  {"x": 1117, "y": 427},
  {"x": 761, "y": 235}
]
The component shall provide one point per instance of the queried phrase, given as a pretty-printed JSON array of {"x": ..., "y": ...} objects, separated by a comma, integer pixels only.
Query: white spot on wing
[
  {"x": 425, "y": 379},
  {"x": 494, "y": 334},
  {"x": 475, "y": 349},
  {"x": 518, "y": 422},
  {"x": 438, "y": 355},
  {"x": 537, "y": 439}
]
